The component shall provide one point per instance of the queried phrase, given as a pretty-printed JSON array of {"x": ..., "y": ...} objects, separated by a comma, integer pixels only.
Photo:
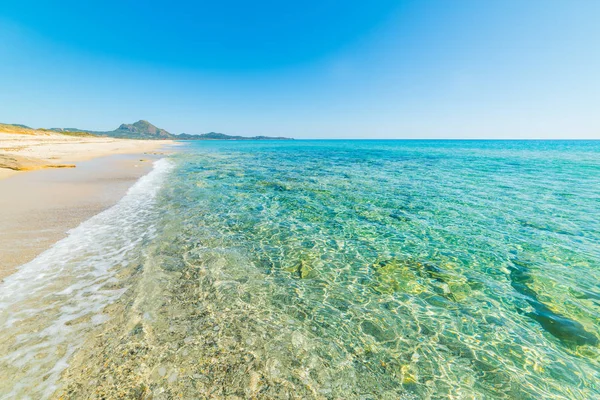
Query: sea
[{"x": 342, "y": 269}]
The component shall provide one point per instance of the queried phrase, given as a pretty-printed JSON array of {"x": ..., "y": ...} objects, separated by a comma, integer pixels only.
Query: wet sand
[
  {"x": 38, "y": 208},
  {"x": 20, "y": 153}
]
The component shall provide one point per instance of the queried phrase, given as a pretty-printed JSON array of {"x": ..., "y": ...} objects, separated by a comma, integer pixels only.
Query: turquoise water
[{"x": 353, "y": 269}]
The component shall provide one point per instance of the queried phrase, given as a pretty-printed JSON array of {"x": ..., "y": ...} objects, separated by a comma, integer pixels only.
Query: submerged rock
[{"x": 568, "y": 331}]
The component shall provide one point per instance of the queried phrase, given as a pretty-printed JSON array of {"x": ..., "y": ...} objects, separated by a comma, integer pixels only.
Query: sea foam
[{"x": 50, "y": 302}]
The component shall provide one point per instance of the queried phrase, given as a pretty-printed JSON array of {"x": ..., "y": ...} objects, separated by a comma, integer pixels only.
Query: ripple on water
[{"x": 361, "y": 270}]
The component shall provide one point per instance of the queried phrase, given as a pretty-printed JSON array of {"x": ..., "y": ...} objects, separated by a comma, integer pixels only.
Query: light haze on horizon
[{"x": 315, "y": 69}]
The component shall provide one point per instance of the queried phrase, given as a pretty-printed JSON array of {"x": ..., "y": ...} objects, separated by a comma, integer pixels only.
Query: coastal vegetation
[{"x": 20, "y": 129}]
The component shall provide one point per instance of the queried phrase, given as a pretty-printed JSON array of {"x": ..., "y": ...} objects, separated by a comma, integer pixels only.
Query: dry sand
[
  {"x": 38, "y": 208},
  {"x": 26, "y": 152}
]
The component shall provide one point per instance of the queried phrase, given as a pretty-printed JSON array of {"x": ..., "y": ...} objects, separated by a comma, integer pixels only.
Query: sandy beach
[
  {"x": 39, "y": 203},
  {"x": 26, "y": 152}
]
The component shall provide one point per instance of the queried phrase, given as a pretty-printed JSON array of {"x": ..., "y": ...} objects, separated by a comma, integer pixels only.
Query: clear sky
[{"x": 307, "y": 69}]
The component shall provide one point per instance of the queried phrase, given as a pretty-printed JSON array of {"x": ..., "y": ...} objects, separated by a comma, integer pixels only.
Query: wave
[{"x": 48, "y": 305}]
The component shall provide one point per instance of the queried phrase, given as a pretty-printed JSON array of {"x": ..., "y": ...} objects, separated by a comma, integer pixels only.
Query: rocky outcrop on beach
[{"x": 21, "y": 163}]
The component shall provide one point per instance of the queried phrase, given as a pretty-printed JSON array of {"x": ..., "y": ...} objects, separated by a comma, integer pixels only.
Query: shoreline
[
  {"x": 23, "y": 153},
  {"x": 38, "y": 208}
]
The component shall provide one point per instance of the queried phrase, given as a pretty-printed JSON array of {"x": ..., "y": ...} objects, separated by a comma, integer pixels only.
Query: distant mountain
[
  {"x": 141, "y": 129},
  {"x": 145, "y": 130},
  {"x": 222, "y": 136},
  {"x": 138, "y": 130}
]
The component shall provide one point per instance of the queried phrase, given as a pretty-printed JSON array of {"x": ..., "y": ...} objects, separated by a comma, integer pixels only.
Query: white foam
[{"x": 41, "y": 303}]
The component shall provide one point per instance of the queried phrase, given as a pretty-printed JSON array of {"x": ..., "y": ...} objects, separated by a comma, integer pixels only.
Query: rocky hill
[{"x": 142, "y": 130}]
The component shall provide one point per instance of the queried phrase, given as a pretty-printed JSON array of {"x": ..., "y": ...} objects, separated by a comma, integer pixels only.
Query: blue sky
[{"x": 311, "y": 69}]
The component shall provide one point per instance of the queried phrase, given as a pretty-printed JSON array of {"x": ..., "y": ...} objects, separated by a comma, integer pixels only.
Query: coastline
[
  {"x": 27, "y": 152},
  {"x": 38, "y": 208}
]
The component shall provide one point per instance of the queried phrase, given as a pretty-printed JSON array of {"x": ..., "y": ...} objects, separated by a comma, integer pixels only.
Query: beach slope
[{"x": 38, "y": 208}]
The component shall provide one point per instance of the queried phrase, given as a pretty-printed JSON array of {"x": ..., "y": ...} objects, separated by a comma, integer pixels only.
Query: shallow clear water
[{"x": 333, "y": 269}]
